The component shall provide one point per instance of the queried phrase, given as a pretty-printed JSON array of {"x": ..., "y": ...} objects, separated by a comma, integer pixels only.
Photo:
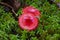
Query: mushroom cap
[
  {"x": 32, "y": 10},
  {"x": 28, "y": 22}
]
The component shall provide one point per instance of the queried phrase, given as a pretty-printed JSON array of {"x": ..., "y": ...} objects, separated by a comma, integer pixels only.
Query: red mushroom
[
  {"x": 28, "y": 21},
  {"x": 32, "y": 10}
]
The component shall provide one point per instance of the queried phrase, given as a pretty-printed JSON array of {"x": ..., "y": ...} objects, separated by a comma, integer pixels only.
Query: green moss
[
  {"x": 57, "y": 1},
  {"x": 48, "y": 28}
]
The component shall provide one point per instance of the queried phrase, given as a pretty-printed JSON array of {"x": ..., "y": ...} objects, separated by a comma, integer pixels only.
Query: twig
[{"x": 5, "y": 4}]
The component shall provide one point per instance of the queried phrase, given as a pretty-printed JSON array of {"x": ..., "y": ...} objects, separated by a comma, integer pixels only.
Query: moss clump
[{"x": 48, "y": 28}]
